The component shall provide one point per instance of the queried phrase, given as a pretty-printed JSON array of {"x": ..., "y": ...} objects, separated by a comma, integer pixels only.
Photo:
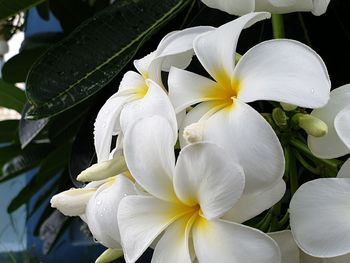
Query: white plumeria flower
[
  {"x": 138, "y": 97},
  {"x": 336, "y": 114},
  {"x": 187, "y": 202},
  {"x": 291, "y": 253},
  {"x": 279, "y": 70},
  {"x": 242, "y": 7},
  {"x": 319, "y": 215},
  {"x": 97, "y": 205}
]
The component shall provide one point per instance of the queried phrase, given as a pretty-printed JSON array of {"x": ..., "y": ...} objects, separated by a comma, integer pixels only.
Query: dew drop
[
  {"x": 125, "y": 195},
  {"x": 312, "y": 91},
  {"x": 95, "y": 240}
]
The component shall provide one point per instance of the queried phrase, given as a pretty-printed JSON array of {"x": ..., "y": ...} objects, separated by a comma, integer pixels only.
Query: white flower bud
[
  {"x": 194, "y": 133},
  {"x": 312, "y": 125},
  {"x": 72, "y": 202},
  {"x": 104, "y": 170},
  {"x": 109, "y": 255}
]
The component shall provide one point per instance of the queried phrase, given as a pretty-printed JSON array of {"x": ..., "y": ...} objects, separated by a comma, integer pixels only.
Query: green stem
[
  {"x": 293, "y": 173},
  {"x": 304, "y": 149},
  {"x": 284, "y": 220},
  {"x": 306, "y": 165},
  {"x": 277, "y": 26}
]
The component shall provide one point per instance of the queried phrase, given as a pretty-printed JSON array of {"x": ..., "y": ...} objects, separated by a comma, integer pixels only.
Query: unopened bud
[
  {"x": 72, "y": 202},
  {"x": 194, "y": 133},
  {"x": 280, "y": 117},
  {"x": 288, "y": 107},
  {"x": 104, "y": 170},
  {"x": 109, "y": 255},
  {"x": 311, "y": 124}
]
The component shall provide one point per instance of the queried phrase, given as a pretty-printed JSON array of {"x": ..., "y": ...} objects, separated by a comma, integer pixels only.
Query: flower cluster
[{"x": 195, "y": 164}]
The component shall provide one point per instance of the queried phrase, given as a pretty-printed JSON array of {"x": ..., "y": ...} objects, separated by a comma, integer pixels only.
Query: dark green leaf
[
  {"x": 94, "y": 54},
  {"x": 11, "y": 97},
  {"x": 8, "y": 152},
  {"x": 43, "y": 11},
  {"x": 29, "y": 129},
  {"x": 8, "y": 131},
  {"x": 27, "y": 160},
  {"x": 16, "y": 69},
  {"x": 51, "y": 166},
  {"x": 11, "y": 7}
]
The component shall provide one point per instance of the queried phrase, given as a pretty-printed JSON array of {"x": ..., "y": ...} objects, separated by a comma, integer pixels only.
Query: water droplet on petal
[
  {"x": 312, "y": 91},
  {"x": 95, "y": 240}
]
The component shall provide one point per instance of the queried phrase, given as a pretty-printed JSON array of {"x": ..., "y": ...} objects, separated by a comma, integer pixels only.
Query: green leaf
[
  {"x": 88, "y": 59},
  {"x": 27, "y": 160},
  {"x": 51, "y": 166},
  {"x": 29, "y": 129},
  {"x": 11, "y": 97},
  {"x": 8, "y": 131},
  {"x": 11, "y": 7},
  {"x": 16, "y": 69}
]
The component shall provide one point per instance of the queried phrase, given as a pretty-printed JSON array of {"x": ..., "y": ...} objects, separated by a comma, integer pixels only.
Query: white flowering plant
[{"x": 210, "y": 148}]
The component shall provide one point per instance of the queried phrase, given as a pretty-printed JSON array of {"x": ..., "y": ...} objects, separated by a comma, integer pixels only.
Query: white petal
[
  {"x": 244, "y": 133},
  {"x": 251, "y": 205},
  {"x": 285, "y": 71},
  {"x": 173, "y": 247},
  {"x": 216, "y": 49},
  {"x": 141, "y": 219},
  {"x": 344, "y": 171},
  {"x": 330, "y": 145},
  {"x": 342, "y": 125},
  {"x": 206, "y": 175},
  {"x": 225, "y": 242},
  {"x": 319, "y": 217},
  {"x": 187, "y": 88},
  {"x": 102, "y": 210},
  {"x": 107, "y": 125},
  {"x": 320, "y": 7},
  {"x": 175, "y": 49},
  {"x": 155, "y": 102},
  {"x": 233, "y": 7},
  {"x": 149, "y": 154},
  {"x": 289, "y": 249},
  {"x": 142, "y": 65}
]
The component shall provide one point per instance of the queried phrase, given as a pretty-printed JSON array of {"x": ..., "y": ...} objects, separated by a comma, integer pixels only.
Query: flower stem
[
  {"x": 277, "y": 26},
  {"x": 306, "y": 165},
  {"x": 293, "y": 173}
]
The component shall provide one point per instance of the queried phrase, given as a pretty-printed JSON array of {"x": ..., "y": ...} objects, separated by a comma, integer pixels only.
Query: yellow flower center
[{"x": 141, "y": 91}]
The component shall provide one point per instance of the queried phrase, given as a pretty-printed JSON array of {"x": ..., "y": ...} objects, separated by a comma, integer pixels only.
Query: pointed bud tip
[{"x": 109, "y": 255}]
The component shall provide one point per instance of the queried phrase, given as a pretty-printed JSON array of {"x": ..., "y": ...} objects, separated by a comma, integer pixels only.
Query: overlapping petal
[
  {"x": 222, "y": 241},
  {"x": 236, "y": 7},
  {"x": 173, "y": 247},
  {"x": 319, "y": 217},
  {"x": 289, "y": 249},
  {"x": 187, "y": 88},
  {"x": 252, "y": 204},
  {"x": 149, "y": 154},
  {"x": 285, "y": 71},
  {"x": 175, "y": 49},
  {"x": 102, "y": 209},
  {"x": 344, "y": 171},
  {"x": 242, "y": 131},
  {"x": 141, "y": 219},
  {"x": 216, "y": 49},
  {"x": 330, "y": 145},
  {"x": 206, "y": 175},
  {"x": 342, "y": 125},
  {"x": 155, "y": 102}
]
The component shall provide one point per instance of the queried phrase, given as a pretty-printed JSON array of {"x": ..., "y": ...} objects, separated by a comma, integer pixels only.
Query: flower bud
[
  {"x": 193, "y": 133},
  {"x": 104, "y": 170},
  {"x": 109, "y": 255},
  {"x": 312, "y": 125},
  {"x": 280, "y": 117},
  {"x": 72, "y": 202},
  {"x": 288, "y": 107}
]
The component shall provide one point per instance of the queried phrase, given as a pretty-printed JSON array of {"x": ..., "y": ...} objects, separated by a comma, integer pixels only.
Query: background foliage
[{"x": 69, "y": 75}]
